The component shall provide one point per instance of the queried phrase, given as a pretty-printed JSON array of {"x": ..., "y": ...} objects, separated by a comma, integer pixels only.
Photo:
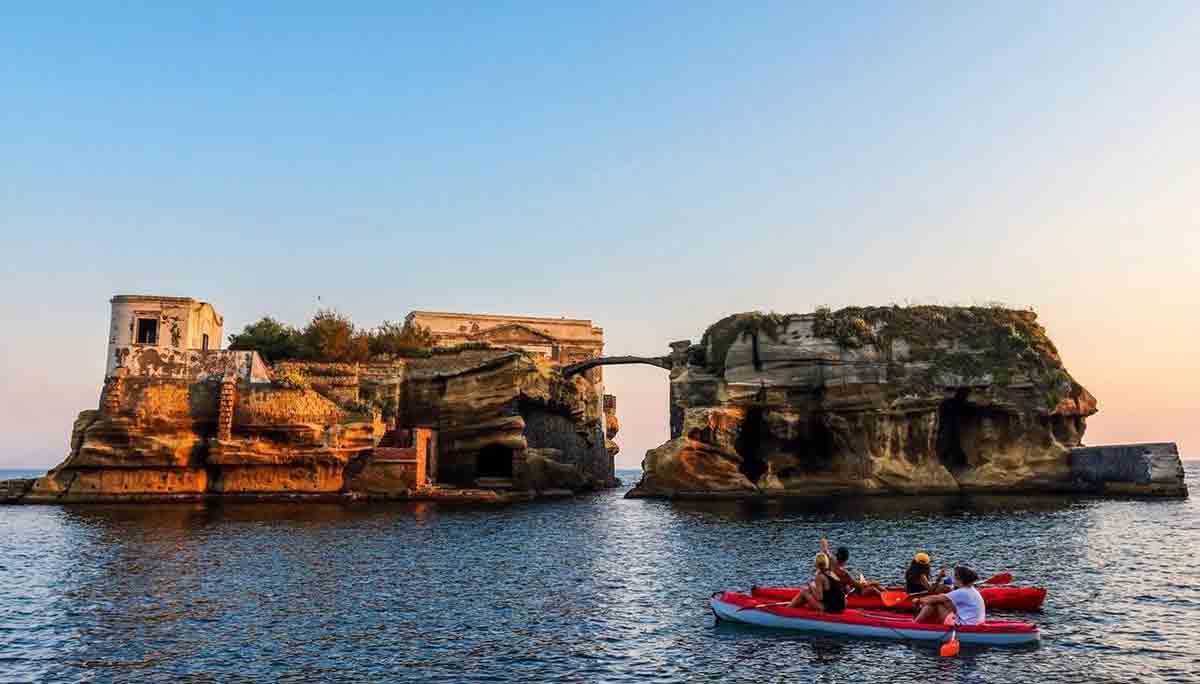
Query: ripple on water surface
[{"x": 596, "y": 589}]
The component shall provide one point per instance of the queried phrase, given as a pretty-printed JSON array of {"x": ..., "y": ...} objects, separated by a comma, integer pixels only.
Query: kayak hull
[
  {"x": 995, "y": 598},
  {"x": 869, "y": 624}
]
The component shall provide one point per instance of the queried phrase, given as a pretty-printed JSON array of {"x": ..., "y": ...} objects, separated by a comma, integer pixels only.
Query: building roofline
[
  {"x": 153, "y": 298},
  {"x": 503, "y": 317}
]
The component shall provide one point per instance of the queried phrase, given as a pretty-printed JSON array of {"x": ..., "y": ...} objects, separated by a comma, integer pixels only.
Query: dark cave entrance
[
  {"x": 749, "y": 445},
  {"x": 494, "y": 461},
  {"x": 952, "y": 414}
]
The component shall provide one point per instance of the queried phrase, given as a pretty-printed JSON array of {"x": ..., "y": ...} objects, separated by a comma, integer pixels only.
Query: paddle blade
[
  {"x": 762, "y": 605},
  {"x": 950, "y": 648},
  {"x": 1002, "y": 578}
]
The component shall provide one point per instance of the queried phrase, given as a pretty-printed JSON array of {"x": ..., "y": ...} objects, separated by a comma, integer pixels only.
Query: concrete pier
[{"x": 1152, "y": 469}]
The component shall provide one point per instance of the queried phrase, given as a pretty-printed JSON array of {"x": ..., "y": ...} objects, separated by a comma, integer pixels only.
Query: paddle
[
  {"x": 763, "y": 605},
  {"x": 950, "y": 648},
  {"x": 893, "y": 598}
]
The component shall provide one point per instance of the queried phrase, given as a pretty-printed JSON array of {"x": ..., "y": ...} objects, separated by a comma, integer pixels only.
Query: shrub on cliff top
[
  {"x": 270, "y": 338},
  {"x": 400, "y": 339},
  {"x": 966, "y": 342},
  {"x": 331, "y": 336},
  {"x": 720, "y": 336},
  {"x": 291, "y": 378}
]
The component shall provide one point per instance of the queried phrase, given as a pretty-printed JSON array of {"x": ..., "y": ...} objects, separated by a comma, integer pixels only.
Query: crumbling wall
[{"x": 189, "y": 365}]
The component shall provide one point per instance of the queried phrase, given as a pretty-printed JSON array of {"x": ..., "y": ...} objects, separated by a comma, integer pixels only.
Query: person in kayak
[
  {"x": 863, "y": 586},
  {"x": 916, "y": 578},
  {"x": 825, "y": 594},
  {"x": 963, "y": 606}
]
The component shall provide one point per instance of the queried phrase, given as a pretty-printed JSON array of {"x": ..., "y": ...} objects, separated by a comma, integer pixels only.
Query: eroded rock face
[
  {"x": 163, "y": 444},
  {"x": 906, "y": 400},
  {"x": 493, "y": 408}
]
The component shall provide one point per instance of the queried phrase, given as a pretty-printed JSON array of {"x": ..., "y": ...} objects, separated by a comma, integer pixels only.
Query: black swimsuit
[{"x": 833, "y": 599}]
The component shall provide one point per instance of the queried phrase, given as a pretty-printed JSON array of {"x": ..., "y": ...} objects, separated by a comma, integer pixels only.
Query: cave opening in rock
[
  {"x": 494, "y": 461},
  {"x": 750, "y": 447},
  {"x": 952, "y": 414},
  {"x": 812, "y": 448}
]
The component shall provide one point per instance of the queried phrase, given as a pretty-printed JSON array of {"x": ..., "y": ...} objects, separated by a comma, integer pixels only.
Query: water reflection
[
  {"x": 884, "y": 507},
  {"x": 595, "y": 589}
]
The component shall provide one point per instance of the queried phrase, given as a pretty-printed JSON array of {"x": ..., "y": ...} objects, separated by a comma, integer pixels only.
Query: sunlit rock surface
[{"x": 504, "y": 417}]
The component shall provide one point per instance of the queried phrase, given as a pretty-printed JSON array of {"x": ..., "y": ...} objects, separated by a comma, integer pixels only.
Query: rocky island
[
  {"x": 904, "y": 400},
  {"x": 874, "y": 400},
  {"x": 483, "y": 414}
]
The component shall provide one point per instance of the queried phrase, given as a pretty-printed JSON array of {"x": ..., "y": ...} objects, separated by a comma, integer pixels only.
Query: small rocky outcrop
[{"x": 923, "y": 399}]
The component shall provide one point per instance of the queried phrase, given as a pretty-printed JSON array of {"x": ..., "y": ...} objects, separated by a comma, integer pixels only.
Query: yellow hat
[
  {"x": 921, "y": 557},
  {"x": 821, "y": 561}
]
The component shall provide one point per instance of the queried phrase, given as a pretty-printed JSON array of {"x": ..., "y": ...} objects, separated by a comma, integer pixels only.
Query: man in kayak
[
  {"x": 825, "y": 594},
  {"x": 916, "y": 578},
  {"x": 861, "y": 585},
  {"x": 963, "y": 606}
]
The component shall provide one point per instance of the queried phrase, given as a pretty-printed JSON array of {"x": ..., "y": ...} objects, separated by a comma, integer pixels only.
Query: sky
[{"x": 652, "y": 167}]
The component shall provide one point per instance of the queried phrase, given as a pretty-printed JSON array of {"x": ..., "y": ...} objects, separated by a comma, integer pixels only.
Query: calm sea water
[{"x": 595, "y": 589}]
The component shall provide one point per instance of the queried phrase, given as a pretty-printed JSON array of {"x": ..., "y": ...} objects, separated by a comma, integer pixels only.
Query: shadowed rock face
[
  {"x": 494, "y": 406},
  {"x": 890, "y": 399}
]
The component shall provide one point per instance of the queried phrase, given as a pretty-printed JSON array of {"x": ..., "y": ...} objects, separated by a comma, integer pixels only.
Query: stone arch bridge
[{"x": 677, "y": 358}]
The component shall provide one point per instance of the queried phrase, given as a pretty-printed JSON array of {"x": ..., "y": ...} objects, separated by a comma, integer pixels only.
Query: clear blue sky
[{"x": 652, "y": 168}]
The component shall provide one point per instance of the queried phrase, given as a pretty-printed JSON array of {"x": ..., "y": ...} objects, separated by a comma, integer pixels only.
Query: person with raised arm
[{"x": 825, "y": 594}]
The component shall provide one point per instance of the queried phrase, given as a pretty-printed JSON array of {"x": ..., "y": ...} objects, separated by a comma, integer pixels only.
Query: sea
[{"x": 593, "y": 589}]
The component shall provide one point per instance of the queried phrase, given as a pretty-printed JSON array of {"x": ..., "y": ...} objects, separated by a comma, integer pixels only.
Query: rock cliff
[
  {"x": 498, "y": 415},
  {"x": 509, "y": 415},
  {"x": 870, "y": 400}
]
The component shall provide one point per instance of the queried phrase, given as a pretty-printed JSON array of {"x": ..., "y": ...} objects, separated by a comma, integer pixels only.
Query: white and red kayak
[{"x": 865, "y": 623}]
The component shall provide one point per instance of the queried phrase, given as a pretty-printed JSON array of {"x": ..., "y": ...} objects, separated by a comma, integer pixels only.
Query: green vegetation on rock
[
  {"x": 973, "y": 345},
  {"x": 720, "y": 336},
  {"x": 332, "y": 337}
]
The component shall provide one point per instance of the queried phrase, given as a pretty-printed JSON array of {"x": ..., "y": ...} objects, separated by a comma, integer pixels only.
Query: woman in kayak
[
  {"x": 862, "y": 585},
  {"x": 916, "y": 578},
  {"x": 825, "y": 594},
  {"x": 963, "y": 606}
]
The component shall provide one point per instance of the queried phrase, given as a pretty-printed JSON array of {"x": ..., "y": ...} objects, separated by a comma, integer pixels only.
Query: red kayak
[
  {"x": 995, "y": 598},
  {"x": 735, "y": 607}
]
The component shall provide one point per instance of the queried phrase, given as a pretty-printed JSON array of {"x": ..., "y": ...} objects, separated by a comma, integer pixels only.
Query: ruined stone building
[
  {"x": 177, "y": 337},
  {"x": 561, "y": 340}
]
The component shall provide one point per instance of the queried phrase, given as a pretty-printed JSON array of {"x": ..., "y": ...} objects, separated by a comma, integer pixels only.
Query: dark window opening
[
  {"x": 147, "y": 331},
  {"x": 951, "y": 416},
  {"x": 204, "y": 342},
  {"x": 494, "y": 461},
  {"x": 749, "y": 445}
]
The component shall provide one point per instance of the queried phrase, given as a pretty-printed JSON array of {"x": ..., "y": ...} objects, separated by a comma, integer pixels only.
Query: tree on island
[
  {"x": 400, "y": 339},
  {"x": 332, "y": 337},
  {"x": 270, "y": 338}
]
